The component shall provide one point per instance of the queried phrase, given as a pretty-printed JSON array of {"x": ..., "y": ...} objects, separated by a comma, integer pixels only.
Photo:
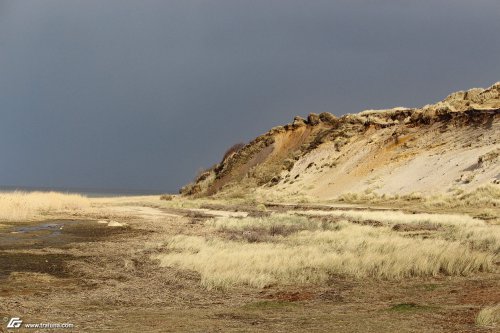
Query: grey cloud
[{"x": 140, "y": 94}]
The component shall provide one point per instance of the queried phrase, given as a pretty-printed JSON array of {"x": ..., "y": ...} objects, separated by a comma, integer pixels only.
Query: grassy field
[
  {"x": 290, "y": 249},
  {"x": 22, "y": 206},
  {"x": 242, "y": 265}
]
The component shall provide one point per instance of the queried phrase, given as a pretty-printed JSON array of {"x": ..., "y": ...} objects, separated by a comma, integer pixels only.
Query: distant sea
[{"x": 90, "y": 192}]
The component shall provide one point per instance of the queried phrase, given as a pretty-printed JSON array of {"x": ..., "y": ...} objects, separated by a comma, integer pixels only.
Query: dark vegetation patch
[
  {"x": 310, "y": 165},
  {"x": 166, "y": 197},
  {"x": 331, "y": 295},
  {"x": 287, "y": 207},
  {"x": 429, "y": 287},
  {"x": 199, "y": 216},
  {"x": 258, "y": 235},
  {"x": 252, "y": 211},
  {"x": 409, "y": 307},
  {"x": 290, "y": 296},
  {"x": 423, "y": 226},
  {"x": 265, "y": 305},
  {"x": 52, "y": 264},
  {"x": 233, "y": 149},
  {"x": 259, "y": 213},
  {"x": 372, "y": 223}
]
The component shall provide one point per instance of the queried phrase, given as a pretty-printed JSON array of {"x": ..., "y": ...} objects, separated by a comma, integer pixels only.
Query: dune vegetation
[
  {"x": 22, "y": 206},
  {"x": 487, "y": 196},
  {"x": 289, "y": 249}
]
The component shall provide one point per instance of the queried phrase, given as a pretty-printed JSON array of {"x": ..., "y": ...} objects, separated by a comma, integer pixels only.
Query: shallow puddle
[
  {"x": 55, "y": 234},
  {"x": 17, "y": 240}
]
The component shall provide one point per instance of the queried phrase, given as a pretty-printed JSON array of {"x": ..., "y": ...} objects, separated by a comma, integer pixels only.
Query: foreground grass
[
  {"x": 22, "y": 206},
  {"x": 297, "y": 250},
  {"x": 489, "y": 316}
]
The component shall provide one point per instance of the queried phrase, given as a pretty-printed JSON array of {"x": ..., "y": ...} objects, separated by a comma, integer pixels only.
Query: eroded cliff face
[{"x": 455, "y": 142}]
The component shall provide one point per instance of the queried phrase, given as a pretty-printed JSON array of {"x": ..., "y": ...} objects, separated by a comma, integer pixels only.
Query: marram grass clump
[
  {"x": 312, "y": 253},
  {"x": 21, "y": 206}
]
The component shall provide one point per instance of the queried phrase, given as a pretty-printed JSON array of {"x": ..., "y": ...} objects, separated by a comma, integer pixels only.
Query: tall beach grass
[
  {"x": 22, "y": 206},
  {"x": 311, "y": 252}
]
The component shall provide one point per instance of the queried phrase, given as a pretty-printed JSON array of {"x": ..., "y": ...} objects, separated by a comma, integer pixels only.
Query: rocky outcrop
[{"x": 313, "y": 119}]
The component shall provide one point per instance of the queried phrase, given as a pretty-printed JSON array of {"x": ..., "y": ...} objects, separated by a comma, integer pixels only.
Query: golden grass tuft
[
  {"x": 21, "y": 206},
  {"x": 489, "y": 316},
  {"x": 312, "y": 253}
]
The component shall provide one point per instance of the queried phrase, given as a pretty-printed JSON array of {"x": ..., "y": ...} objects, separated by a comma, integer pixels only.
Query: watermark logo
[{"x": 14, "y": 322}]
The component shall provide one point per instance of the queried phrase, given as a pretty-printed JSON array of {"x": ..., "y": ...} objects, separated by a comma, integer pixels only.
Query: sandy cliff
[{"x": 452, "y": 144}]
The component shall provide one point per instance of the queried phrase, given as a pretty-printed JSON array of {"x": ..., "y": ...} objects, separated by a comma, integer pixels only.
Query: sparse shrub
[
  {"x": 490, "y": 157},
  {"x": 237, "y": 192},
  {"x": 414, "y": 196},
  {"x": 288, "y": 164},
  {"x": 407, "y": 307},
  {"x": 339, "y": 143},
  {"x": 348, "y": 197},
  {"x": 298, "y": 121},
  {"x": 166, "y": 197},
  {"x": 253, "y": 236},
  {"x": 233, "y": 149},
  {"x": 313, "y": 119},
  {"x": 421, "y": 226},
  {"x": 396, "y": 138},
  {"x": 261, "y": 207},
  {"x": 190, "y": 189},
  {"x": 328, "y": 118}
]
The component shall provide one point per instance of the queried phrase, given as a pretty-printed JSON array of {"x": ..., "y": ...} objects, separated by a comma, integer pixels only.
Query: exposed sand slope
[
  {"x": 422, "y": 161},
  {"x": 454, "y": 143}
]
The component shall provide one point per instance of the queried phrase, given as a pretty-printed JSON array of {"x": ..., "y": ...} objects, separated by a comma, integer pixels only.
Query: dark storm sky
[{"x": 141, "y": 94}]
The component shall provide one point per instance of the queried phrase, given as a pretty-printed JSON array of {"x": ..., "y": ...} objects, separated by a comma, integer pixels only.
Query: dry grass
[
  {"x": 489, "y": 316},
  {"x": 484, "y": 196},
  {"x": 276, "y": 221},
  {"x": 388, "y": 216},
  {"x": 199, "y": 202},
  {"x": 310, "y": 252},
  {"x": 21, "y": 206},
  {"x": 471, "y": 231},
  {"x": 260, "y": 229}
]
